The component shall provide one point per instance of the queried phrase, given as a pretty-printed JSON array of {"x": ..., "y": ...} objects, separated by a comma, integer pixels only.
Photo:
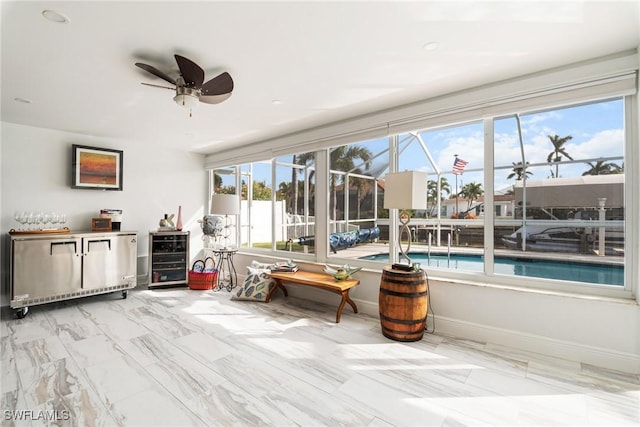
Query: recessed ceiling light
[
  {"x": 23, "y": 100},
  {"x": 430, "y": 46},
  {"x": 54, "y": 16},
  {"x": 277, "y": 102}
]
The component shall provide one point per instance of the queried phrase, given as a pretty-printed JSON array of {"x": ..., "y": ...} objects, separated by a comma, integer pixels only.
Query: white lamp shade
[
  {"x": 405, "y": 190},
  {"x": 225, "y": 204}
]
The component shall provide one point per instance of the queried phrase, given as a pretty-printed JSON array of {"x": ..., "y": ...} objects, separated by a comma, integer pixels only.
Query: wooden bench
[{"x": 316, "y": 280}]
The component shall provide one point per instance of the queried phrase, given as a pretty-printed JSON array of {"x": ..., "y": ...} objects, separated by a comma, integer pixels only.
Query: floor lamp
[
  {"x": 403, "y": 301},
  {"x": 404, "y": 191},
  {"x": 225, "y": 205}
]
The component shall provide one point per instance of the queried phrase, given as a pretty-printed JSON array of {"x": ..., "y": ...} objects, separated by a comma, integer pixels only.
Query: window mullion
[
  {"x": 489, "y": 208},
  {"x": 393, "y": 213},
  {"x": 322, "y": 205}
]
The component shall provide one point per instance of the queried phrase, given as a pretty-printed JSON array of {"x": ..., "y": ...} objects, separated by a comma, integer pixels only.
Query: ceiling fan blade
[
  {"x": 214, "y": 99},
  {"x": 191, "y": 72},
  {"x": 163, "y": 87},
  {"x": 155, "y": 72},
  {"x": 218, "y": 85}
]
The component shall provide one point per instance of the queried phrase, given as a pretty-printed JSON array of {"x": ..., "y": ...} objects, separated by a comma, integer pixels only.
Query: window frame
[{"x": 487, "y": 116}]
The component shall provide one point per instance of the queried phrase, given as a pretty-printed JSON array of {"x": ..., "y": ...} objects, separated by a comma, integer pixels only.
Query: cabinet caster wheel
[
  {"x": 124, "y": 294},
  {"x": 22, "y": 312}
]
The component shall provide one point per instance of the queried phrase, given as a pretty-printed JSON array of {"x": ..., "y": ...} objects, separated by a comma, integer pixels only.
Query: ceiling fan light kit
[
  {"x": 186, "y": 97},
  {"x": 190, "y": 86}
]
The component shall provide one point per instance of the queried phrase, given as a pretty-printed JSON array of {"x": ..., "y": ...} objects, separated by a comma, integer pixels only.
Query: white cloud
[{"x": 608, "y": 143}]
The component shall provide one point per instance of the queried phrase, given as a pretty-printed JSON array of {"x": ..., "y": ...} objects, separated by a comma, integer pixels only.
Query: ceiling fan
[{"x": 190, "y": 86}]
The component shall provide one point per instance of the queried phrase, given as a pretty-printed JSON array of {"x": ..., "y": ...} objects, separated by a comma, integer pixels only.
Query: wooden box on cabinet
[{"x": 168, "y": 258}]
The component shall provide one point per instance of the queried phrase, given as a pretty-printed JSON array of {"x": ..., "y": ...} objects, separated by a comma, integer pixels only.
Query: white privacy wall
[{"x": 36, "y": 175}]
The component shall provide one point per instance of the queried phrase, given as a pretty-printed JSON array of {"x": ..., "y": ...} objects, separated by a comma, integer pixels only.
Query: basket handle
[
  {"x": 196, "y": 262},
  {"x": 213, "y": 262}
]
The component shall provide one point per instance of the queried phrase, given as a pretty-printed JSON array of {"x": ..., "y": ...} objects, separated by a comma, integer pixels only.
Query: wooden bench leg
[
  {"x": 345, "y": 299},
  {"x": 284, "y": 290},
  {"x": 273, "y": 290}
]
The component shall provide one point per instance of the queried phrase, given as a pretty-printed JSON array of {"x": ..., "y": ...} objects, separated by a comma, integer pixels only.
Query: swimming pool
[{"x": 603, "y": 274}]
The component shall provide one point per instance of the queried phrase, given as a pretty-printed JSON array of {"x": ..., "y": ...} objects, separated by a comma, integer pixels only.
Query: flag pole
[{"x": 454, "y": 172}]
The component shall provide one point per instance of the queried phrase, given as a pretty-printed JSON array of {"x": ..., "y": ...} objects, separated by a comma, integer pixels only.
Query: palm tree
[
  {"x": 558, "y": 150},
  {"x": 471, "y": 192},
  {"x": 284, "y": 192},
  {"x": 343, "y": 159},
  {"x": 432, "y": 192},
  {"x": 217, "y": 181},
  {"x": 261, "y": 191},
  {"x": 518, "y": 171},
  {"x": 364, "y": 187},
  {"x": 300, "y": 159},
  {"x": 602, "y": 168}
]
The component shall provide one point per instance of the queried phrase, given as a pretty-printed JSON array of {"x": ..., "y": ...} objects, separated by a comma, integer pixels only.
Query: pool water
[{"x": 603, "y": 274}]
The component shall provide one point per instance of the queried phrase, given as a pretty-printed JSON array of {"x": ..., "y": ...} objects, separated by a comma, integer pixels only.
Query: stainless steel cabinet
[
  {"x": 47, "y": 268},
  {"x": 42, "y": 268},
  {"x": 108, "y": 260}
]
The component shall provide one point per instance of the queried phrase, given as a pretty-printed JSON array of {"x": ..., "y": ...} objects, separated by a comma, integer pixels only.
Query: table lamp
[
  {"x": 225, "y": 205},
  {"x": 404, "y": 191}
]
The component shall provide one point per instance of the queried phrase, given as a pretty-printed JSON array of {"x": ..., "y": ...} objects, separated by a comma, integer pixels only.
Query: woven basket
[{"x": 202, "y": 278}]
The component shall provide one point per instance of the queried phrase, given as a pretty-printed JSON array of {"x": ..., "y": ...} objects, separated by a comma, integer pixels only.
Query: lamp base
[{"x": 404, "y": 228}]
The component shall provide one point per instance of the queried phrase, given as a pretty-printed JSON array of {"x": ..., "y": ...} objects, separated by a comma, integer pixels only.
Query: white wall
[
  {"x": 599, "y": 331},
  {"x": 260, "y": 221},
  {"x": 36, "y": 175}
]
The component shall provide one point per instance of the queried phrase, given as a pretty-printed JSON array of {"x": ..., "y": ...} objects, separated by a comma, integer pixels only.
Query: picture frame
[{"x": 96, "y": 168}]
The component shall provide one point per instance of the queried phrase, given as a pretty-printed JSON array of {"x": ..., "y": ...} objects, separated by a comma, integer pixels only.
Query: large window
[
  {"x": 353, "y": 191},
  {"x": 535, "y": 198},
  {"x": 452, "y": 227},
  {"x": 278, "y": 204},
  {"x": 257, "y": 210},
  {"x": 295, "y": 195},
  {"x": 221, "y": 230},
  {"x": 562, "y": 173}
]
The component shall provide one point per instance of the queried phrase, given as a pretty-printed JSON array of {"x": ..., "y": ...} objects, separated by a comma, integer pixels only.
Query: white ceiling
[{"x": 324, "y": 61}]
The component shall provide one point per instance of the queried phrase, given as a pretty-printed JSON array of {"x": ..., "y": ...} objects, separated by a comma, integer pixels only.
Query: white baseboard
[
  {"x": 603, "y": 357},
  {"x": 606, "y": 358}
]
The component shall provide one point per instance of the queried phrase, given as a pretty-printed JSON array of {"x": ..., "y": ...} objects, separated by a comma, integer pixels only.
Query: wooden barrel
[{"x": 403, "y": 304}]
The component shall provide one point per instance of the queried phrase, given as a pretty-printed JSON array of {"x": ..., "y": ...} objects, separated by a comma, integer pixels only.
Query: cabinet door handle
[
  {"x": 60, "y": 244},
  {"x": 98, "y": 241}
]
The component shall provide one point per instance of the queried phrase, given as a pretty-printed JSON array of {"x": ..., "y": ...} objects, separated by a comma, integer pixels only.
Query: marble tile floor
[{"x": 178, "y": 357}]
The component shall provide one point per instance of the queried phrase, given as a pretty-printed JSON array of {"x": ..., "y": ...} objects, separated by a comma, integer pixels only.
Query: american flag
[{"x": 458, "y": 166}]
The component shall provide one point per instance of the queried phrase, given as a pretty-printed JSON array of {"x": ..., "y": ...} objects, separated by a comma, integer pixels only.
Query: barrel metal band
[
  {"x": 403, "y": 281},
  {"x": 402, "y": 321},
  {"x": 403, "y": 294},
  {"x": 410, "y": 339},
  {"x": 397, "y": 332}
]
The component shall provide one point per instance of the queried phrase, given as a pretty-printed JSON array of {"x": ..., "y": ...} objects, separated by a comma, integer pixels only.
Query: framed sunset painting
[{"x": 96, "y": 168}]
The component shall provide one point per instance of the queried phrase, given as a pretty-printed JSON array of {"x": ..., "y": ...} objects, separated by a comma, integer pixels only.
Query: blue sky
[{"x": 597, "y": 131}]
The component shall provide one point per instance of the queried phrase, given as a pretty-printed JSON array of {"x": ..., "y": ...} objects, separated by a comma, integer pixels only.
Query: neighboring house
[
  {"x": 580, "y": 192},
  {"x": 503, "y": 206}
]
